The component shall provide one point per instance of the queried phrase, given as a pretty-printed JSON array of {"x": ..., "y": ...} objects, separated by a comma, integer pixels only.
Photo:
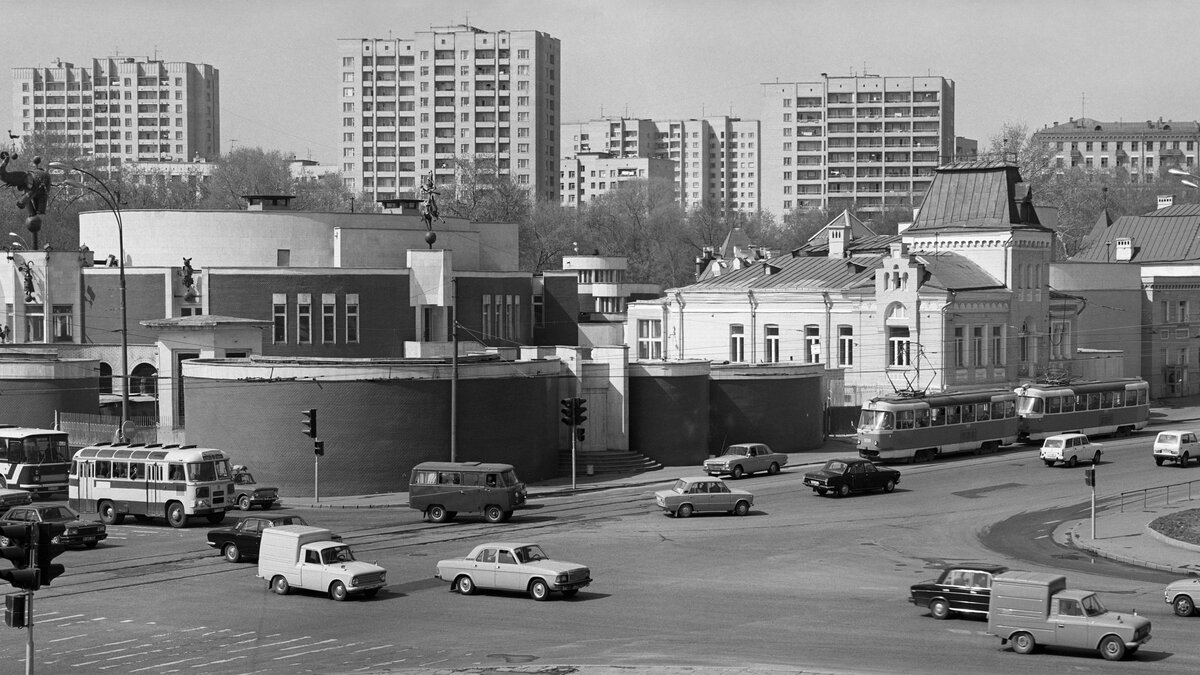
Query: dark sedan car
[
  {"x": 962, "y": 588},
  {"x": 843, "y": 476},
  {"x": 242, "y": 539},
  {"x": 79, "y": 532}
]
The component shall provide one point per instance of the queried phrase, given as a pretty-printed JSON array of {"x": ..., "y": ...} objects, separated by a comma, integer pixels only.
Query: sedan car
[
  {"x": 248, "y": 493},
  {"x": 744, "y": 458},
  {"x": 14, "y": 497},
  {"x": 79, "y": 532},
  {"x": 843, "y": 476},
  {"x": 1182, "y": 595},
  {"x": 962, "y": 588},
  {"x": 243, "y": 538},
  {"x": 703, "y": 495},
  {"x": 520, "y": 567}
]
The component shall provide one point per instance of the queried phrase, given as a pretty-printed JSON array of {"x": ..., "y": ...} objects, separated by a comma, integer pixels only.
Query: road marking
[
  {"x": 169, "y": 663},
  {"x": 70, "y": 637}
]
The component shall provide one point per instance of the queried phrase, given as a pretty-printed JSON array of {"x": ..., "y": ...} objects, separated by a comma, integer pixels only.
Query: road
[{"x": 802, "y": 582}]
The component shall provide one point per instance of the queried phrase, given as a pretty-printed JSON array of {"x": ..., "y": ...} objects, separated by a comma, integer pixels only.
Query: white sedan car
[{"x": 520, "y": 567}]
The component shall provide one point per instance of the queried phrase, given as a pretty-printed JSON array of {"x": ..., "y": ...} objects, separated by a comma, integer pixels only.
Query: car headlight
[
  {"x": 560, "y": 579},
  {"x": 72, "y": 530}
]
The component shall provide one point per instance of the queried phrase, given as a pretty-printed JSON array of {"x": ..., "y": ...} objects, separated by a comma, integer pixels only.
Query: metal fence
[
  {"x": 1161, "y": 495},
  {"x": 83, "y": 429}
]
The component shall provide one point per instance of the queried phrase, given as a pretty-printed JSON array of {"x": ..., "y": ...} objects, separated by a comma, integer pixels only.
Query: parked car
[
  {"x": 1182, "y": 595},
  {"x": 521, "y": 567},
  {"x": 743, "y": 458},
  {"x": 843, "y": 476},
  {"x": 243, "y": 538},
  {"x": 14, "y": 497},
  {"x": 1176, "y": 445},
  {"x": 79, "y": 532},
  {"x": 703, "y": 495},
  {"x": 961, "y": 588},
  {"x": 248, "y": 493},
  {"x": 1069, "y": 449}
]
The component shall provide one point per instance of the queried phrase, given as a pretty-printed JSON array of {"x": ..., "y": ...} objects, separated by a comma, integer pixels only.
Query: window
[
  {"x": 1060, "y": 340},
  {"x": 812, "y": 344},
  {"x": 976, "y": 346},
  {"x": 304, "y": 318},
  {"x": 845, "y": 345},
  {"x": 351, "y": 318},
  {"x": 63, "y": 330},
  {"x": 328, "y": 318},
  {"x": 279, "y": 302},
  {"x": 771, "y": 348},
  {"x": 737, "y": 342},
  {"x": 898, "y": 346},
  {"x": 35, "y": 323},
  {"x": 960, "y": 347},
  {"x": 649, "y": 339},
  {"x": 997, "y": 350}
]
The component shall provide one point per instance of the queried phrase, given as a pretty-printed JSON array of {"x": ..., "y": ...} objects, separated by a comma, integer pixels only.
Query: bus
[
  {"x": 174, "y": 482},
  {"x": 917, "y": 427},
  {"x": 34, "y": 459},
  {"x": 1119, "y": 406}
]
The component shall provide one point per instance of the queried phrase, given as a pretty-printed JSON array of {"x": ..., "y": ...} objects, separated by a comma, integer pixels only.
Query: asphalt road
[{"x": 803, "y": 582}]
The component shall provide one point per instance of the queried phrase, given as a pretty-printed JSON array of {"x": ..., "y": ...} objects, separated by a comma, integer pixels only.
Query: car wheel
[
  {"x": 244, "y": 502},
  {"x": 773, "y": 469},
  {"x": 465, "y": 585},
  {"x": 683, "y": 511},
  {"x": 538, "y": 590},
  {"x": 1096, "y": 458},
  {"x": 176, "y": 516},
  {"x": 1183, "y": 605},
  {"x": 1072, "y": 462},
  {"x": 1158, "y": 461},
  {"x": 1112, "y": 648},
  {"x": 737, "y": 471},
  {"x": 232, "y": 554},
  {"x": 280, "y": 585},
  {"x": 109, "y": 515},
  {"x": 889, "y": 486},
  {"x": 1183, "y": 460},
  {"x": 843, "y": 490},
  {"x": 1023, "y": 643},
  {"x": 822, "y": 491},
  {"x": 437, "y": 514},
  {"x": 337, "y": 591},
  {"x": 742, "y": 508},
  {"x": 493, "y": 514},
  {"x": 939, "y": 609}
]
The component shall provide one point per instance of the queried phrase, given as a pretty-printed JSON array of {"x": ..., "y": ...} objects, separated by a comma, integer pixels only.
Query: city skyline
[{"x": 1036, "y": 63}]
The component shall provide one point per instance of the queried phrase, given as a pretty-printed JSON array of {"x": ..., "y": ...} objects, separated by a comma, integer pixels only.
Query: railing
[
  {"x": 84, "y": 429},
  {"x": 1147, "y": 496}
]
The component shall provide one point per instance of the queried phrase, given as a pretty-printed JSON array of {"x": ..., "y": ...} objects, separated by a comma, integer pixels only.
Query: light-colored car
[
  {"x": 703, "y": 495},
  {"x": 1182, "y": 595},
  {"x": 1176, "y": 445},
  {"x": 1069, "y": 449},
  {"x": 521, "y": 567},
  {"x": 744, "y": 458}
]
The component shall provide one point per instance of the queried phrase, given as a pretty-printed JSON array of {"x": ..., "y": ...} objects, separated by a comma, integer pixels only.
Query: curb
[{"x": 1076, "y": 542}]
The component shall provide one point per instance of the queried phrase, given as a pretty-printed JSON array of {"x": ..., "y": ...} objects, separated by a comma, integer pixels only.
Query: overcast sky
[{"x": 1032, "y": 61}]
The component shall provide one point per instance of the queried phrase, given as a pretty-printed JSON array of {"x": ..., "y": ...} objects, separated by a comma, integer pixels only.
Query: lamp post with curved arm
[
  {"x": 1189, "y": 179},
  {"x": 112, "y": 200}
]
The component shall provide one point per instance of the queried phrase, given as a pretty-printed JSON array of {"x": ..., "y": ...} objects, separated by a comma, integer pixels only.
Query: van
[
  {"x": 441, "y": 490},
  {"x": 1176, "y": 445},
  {"x": 311, "y": 558}
]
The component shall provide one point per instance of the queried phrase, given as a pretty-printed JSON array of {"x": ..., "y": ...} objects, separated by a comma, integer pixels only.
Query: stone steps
[{"x": 606, "y": 462}]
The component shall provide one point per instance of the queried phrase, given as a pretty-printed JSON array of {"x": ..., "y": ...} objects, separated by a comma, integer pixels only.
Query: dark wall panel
[
  {"x": 668, "y": 418},
  {"x": 785, "y": 413}
]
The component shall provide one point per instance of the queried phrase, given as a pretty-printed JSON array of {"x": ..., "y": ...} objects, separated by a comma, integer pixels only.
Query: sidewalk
[{"x": 1125, "y": 536}]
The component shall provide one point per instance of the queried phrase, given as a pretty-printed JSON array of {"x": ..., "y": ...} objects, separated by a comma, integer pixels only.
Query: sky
[{"x": 1035, "y": 62}]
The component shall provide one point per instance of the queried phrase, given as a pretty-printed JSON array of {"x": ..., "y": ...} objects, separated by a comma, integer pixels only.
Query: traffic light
[
  {"x": 46, "y": 550},
  {"x": 319, "y": 448},
  {"x": 1089, "y": 477},
  {"x": 310, "y": 422},
  {"x": 579, "y": 432},
  {"x": 19, "y": 551},
  {"x": 580, "y": 418},
  {"x": 568, "y": 411},
  {"x": 15, "y": 613}
]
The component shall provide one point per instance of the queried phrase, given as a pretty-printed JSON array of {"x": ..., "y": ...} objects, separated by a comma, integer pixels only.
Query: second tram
[
  {"x": 921, "y": 427},
  {"x": 1119, "y": 406}
]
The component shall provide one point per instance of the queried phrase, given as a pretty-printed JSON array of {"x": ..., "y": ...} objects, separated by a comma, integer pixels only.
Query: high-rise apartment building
[
  {"x": 1144, "y": 149},
  {"x": 716, "y": 159},
  {"x": 415, "y": 107},
  {"x": 861, "y": 143},
  {"x": 124, "y": 109}
]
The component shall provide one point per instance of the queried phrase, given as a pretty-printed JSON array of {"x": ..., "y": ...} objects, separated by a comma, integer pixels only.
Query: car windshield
[
  {"x": 289, "y": 520},
  {"x": 869, "y": 420},
  {"x": 738, "y": 450},
  {"x": 243, "y": 478},
  {"x": 527, "y": 554},
  {"x": 1092, "y": 606},
  {"x": 508, "y": 478},
  {"x": 52, "y": 513},
  {"x": 1028, "y": 404},
  {"x": 835, "y": 466},
  {"x": 336, "y": 554},
  {"x": 680, "y": 485}
]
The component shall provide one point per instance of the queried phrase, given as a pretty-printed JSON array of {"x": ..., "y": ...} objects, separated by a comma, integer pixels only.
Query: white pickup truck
[
  {"x": 309, "y": 557},
  {"x": 1069, "y": 449}
]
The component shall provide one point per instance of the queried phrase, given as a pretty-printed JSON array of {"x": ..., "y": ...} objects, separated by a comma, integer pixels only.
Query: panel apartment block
[
  {"x": 413, "y": 107},
  {"x": 1143, "y": 149},
  {"x": 861, "y": 143},
  {"x": 124, "y": 109}
]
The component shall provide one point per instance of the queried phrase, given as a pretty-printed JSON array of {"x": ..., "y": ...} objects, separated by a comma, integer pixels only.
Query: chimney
[
  {"x": 898, "y": 249},
  {"x": 837, "y": 240},
  {"x": 1124, "y": 252},
  {"x": 1165, "y": 201}
]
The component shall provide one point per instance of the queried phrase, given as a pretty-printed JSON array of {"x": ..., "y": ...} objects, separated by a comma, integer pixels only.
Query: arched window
[
  {"x": 105, "y": 378},
  {"x": 144, "y": 380}
]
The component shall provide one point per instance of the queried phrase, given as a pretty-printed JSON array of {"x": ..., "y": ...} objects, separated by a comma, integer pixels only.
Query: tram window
[
  {"x": 1081, "y": 401},
  {"x": 923, "y": 418},
  {"x": 1068, "y": 404},
  {"x": 983, "y": 412},
  {"x": 1094, "y": 401},
  {"x": 103, "y": 468},
  {"x": 1053, "y": 405},
  {"x": 904, "y": 419},
  {"x": 953, "y": 414},
  {"x": 1143, "y": 396},
  {"x": 1119, "y": 399},
  {"x": 939, "y": 416},
  {"x": 1106, "y": 399},
  {"x": 1001, "y": 410},
  {"x": 120, "y": 470},
  {"x": 968, "y": 413}
]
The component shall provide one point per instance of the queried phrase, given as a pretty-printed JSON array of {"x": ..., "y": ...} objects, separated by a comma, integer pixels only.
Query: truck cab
[{"x": 310, "y": 558}]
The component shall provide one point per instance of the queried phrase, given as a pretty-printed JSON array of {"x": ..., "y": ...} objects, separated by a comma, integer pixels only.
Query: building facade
[
  {"x": 411, "y": 107},
  {"x": 586, "y": 176},
  {"x": 1142, "y": 149},
  {"x": 124, "y": 109},
  {"x": 863, "y": 143}
]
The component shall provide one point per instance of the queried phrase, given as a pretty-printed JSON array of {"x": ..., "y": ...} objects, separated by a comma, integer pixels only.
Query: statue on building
[
  {"x": 33, "y": 184},
  {"x": 188, "y": 280},
  {"x": 429, "y": 208}
]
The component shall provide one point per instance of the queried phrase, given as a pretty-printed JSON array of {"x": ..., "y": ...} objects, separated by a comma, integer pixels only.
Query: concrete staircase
[{"x": 606, "y": 462}]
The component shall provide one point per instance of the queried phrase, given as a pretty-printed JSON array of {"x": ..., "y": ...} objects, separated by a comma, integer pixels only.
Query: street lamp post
[
  {"x": 113, "y": 202},
  {"x": 1189, "y": 179}
]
